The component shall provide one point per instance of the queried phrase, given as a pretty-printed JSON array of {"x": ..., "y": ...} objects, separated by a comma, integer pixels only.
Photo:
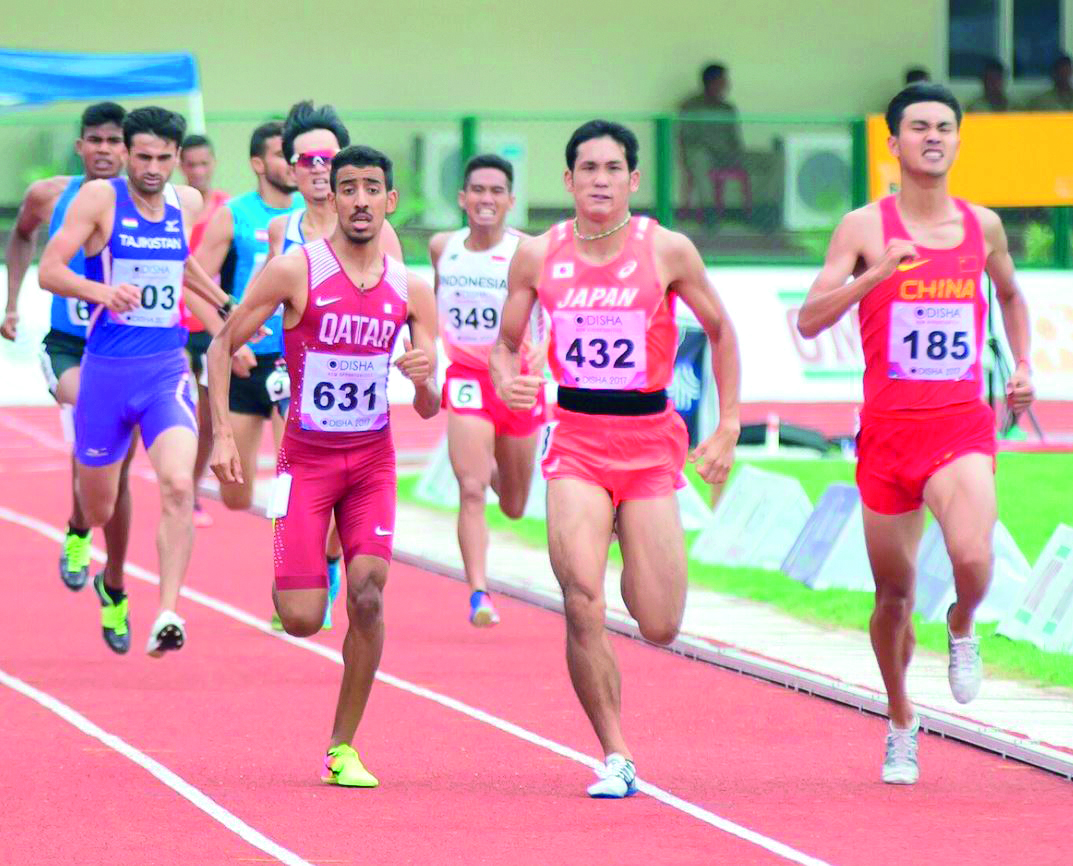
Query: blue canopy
[{"x": 39, "y": 77}]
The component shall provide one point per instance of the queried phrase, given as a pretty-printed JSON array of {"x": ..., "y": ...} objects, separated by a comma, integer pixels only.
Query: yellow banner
[{"x": 1005, "y": 160}]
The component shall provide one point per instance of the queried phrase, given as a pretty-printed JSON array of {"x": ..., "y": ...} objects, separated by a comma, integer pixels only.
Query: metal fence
[{"x": 746, "y": 189}]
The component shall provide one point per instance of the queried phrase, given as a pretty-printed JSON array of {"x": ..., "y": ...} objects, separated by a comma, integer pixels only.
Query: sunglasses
[{"x": 313, "y": 159}]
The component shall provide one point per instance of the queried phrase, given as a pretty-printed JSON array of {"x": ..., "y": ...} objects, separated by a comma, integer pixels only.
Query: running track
[{"x": 242, "y": 717}]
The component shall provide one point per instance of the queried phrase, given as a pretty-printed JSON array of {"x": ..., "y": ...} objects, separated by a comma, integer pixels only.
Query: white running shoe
[
  {"x": 966, "y": 670},
  {"x": 900, "y": 764},
  {"x": 617, "y": 779},
  {"x": 167, "y": 633}
]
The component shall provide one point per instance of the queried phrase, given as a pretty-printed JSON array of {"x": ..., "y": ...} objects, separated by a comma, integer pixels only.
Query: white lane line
[
  {"x": 179, "y": 785},
  {"x": 222, "y": 607}
]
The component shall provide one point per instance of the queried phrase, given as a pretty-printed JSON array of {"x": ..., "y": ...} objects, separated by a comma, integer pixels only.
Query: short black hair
[
  {"x": 916, "y": 74},
  {"x": 195, "y": 140},
  {"x": 154, "y": 120},
  {"x": 361, "y": 156},
  {"x": 261, "y": 135},
  {"x": 712, "y": 71},
  {"x": 303, "y": 117},
  {"x": 101, "y": 113},
  {"x": 599, "y": 129},
  {"x": 1061, "y": 60},
  {"x": 993, "y": 64},
  {"x": 489, "y": 160},
  {"x": 923, "y": 92}
]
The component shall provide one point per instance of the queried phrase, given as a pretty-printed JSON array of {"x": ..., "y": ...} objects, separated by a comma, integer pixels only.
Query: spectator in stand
[
  {"x": 1059, "y": 97},
  {"x": 993, "y": 98}
]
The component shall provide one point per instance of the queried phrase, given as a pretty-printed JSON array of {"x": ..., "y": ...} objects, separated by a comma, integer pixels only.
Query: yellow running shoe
[{"x": 342, "y": 766}]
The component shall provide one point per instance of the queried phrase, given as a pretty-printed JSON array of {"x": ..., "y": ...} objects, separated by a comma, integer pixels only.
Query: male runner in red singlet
[
  {"x": 488, "y": 443},
  {"x": 610, "y": 282},
  {"x": 344, "y": 302},
  {"x": 917, "y": 260},
  {"x": 197, "y": 161}
]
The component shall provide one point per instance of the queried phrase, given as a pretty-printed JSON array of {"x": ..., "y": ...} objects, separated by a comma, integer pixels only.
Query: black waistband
[{"x": 598, "y": 402}]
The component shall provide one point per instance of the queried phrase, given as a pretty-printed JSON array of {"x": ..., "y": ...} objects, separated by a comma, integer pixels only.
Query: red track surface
[{"x": 243, "y": 717}]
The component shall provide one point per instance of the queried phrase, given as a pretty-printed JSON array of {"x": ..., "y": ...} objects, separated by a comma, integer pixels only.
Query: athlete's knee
[
  {"x": 301, "y": 623},
  {"x": 176, "y": 490},
  {"x": 894, "y": 602},
  {"x": 971, "y": 556},
  {"x": 661, "y": 632},
  {"x": 364, "y": 604},
  {"x": 237, "y": 497},
  {"x": 512, "y": 504},
  {"x": 97, "y": 510},
  {"x": 472, "y": 490},
  {"x": 584, "y": 610}
]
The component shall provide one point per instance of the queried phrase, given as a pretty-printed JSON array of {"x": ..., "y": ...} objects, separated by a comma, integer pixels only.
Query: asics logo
[
  {"x": 908, "y": 266},
  {"x": 382, "y": 532},
  {"x": 627, "y": 269},
  {"x": 323, "y": 302}
]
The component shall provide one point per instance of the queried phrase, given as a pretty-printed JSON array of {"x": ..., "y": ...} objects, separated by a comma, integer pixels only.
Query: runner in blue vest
[
  {"x": 134, "y": 233},
  {"x": 100, "y": 146},
  {"x": 234, "y": 247}
]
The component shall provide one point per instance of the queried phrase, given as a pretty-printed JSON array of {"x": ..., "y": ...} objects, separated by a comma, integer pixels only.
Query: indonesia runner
[
  {"x": 917, "y": 261},
  {"x": 234, "y": 250},
  {"x": 610, "y": 282},
  {"x": 345, "y": 302},
  {"x": 134, "y": 374},
  {"x": 197, "y": 161},
  {"x": 488, "y": 443},
  {"x": 100, "y": 146},
  {"x": 311, "y": 137}
]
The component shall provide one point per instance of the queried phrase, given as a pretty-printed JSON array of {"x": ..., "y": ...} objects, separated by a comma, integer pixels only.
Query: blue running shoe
[
  {"x": 335, "y": 581},
  {"x": 482, "y": 612}
]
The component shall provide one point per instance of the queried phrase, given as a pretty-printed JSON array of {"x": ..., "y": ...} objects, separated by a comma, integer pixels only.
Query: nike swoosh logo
[
  {"x": 380, "y": 531},
  {"x": 908, "y": 266},
  {"x": 323, "y": 302}
]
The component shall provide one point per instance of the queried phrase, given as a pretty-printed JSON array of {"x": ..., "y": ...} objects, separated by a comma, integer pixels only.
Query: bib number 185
[{"x": 940, "y": 345}]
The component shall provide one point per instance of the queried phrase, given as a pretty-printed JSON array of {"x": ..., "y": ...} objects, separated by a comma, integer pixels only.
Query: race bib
[
  {"x": 77, "y": 311},
  {"x": 471, "y": 316},
  {"x": 344, "y": 393},
  {"x": 278, "y": 384},
  {"x": 933, "y": 342},
  {"x": 602, "y": 349},
  {"x": 464, "y": 393},
  {"x": 161, "y": 284}
]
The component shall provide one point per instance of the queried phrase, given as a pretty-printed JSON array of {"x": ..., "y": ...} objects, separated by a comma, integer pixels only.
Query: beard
[{"x": 280, "y": 185}]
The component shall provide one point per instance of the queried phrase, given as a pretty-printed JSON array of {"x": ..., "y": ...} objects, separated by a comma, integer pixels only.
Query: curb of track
[{"x": 1008, "y": 744}]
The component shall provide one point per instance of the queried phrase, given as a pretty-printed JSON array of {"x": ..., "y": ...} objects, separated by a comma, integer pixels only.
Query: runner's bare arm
[
  {"x": 281, "y": 281},
  {"x": 206, "y": 313},
  {"x": 84, "y": 220},
  {"x": 1019, "y": 390},
  {"x": 418, "y": 363},
  {"x": 688, "y": 278},
  {"x": 35, "y": 209},
  {"x": 831, "y": 295},
  {"x": 436, "y": 245},
  {"x": 194, "y": 277},
  {"x": 277, "y": 227},
  {"x": 216, "y": 241},
  {"x": 390, "y": 243},
  {"x": 517, "y": 391}
]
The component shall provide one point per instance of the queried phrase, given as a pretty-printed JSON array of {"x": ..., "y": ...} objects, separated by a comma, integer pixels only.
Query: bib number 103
[{"x": 938, "y": 345}]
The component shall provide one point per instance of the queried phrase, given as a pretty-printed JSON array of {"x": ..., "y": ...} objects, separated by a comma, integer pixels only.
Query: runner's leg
[
  {"x": 172, "y": 454},
  {"x": 653, "y": 565},
  {"x": 117, "y": 529},
  {"x": 892, "y": 542},
  {"x": 514, "y": 463},
  {"x": 579, "y": 532},
  {"x": 470, "y": 444},
  {"x": 961, "y": 495},
  {"x": 248, "y": 431}
]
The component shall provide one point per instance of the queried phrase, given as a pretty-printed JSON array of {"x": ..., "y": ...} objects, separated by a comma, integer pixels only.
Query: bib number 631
[{"x": 346, "y": 396}]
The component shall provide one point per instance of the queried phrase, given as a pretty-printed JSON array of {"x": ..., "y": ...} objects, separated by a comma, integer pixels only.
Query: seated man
[
  {"x": 710, "y": 144},
  {"x": 1059, "y": 97},
  {"x": 993, "y": 98}
]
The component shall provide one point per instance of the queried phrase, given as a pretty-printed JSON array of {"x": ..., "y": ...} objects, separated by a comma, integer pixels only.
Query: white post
[{"x": 195, "y": 121}]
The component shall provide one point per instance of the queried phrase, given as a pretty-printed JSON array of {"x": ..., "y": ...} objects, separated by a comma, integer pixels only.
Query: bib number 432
[{"x": 598, "y": 354}]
